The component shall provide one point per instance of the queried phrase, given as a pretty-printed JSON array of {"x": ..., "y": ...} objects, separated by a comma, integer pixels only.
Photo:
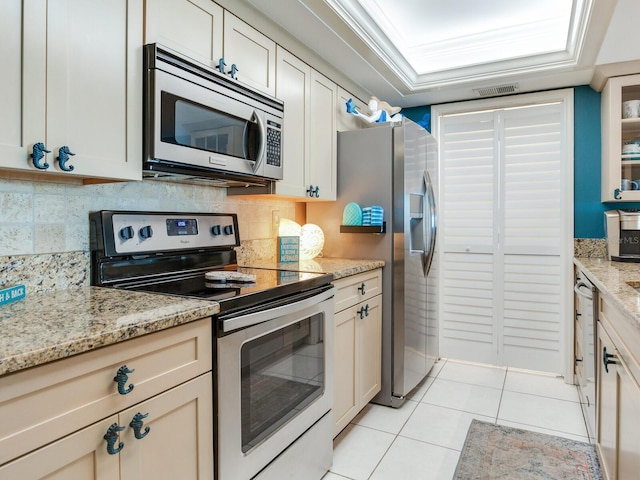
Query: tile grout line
[
  {"x": 405, "y": 422},
  {"x": 504, "y": 382}
]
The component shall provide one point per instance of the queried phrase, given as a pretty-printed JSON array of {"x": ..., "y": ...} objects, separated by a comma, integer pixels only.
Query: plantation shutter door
[
  {"x": 502, "y": 235},
  {"x": 533, "y": 156},
  {"x": 466, "y": 218}
]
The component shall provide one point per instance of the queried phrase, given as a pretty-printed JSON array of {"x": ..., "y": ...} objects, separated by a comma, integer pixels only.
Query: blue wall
[
  {"x": 588, "y": 218},
  {"x": 588, "y": 209}
]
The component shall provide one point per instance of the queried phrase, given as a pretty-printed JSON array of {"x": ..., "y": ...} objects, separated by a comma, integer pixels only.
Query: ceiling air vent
[{"x": 499, "y": 90}]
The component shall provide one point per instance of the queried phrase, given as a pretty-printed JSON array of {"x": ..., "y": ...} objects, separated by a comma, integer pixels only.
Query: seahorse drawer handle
[
  {"x": 234, "y": 70},
  {"x": 38, "y": 154},
  {"x": 112, "y": 437},
  {"x": 121, "y": 379},
  {"x": 137, "y": 424},
  {"x": 361, "y": 288},
  {"x": 221, "y": 65},
  {"x": 63, "y": 158}
]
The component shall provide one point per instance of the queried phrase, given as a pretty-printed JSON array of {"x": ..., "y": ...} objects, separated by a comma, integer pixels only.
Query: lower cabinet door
[
  {"x": 82, "y": 455},
  {"x": 607, "y": 405},
  {"x": 370, "y": 351},
  {"x": 629, "y": 425},
  {"x": 345, "y": 404},
  {"x": 358, "y": 367},
  {"x": 179, "y": 440}
]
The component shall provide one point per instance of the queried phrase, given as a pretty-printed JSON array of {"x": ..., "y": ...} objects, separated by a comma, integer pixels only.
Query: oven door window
[
  {"x": 191, "y": 124},
  {"x": 282, "y": 372}
]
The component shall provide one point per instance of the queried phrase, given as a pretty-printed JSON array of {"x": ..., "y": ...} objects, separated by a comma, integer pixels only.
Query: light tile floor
[{"x": 423, "y": 438}]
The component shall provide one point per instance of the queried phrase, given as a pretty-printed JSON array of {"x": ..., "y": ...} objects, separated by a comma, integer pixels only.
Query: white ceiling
[{"x": 417, "y": 52}]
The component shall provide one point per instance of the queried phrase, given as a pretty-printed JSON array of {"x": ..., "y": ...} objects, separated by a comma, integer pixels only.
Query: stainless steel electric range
[{"x": 273, "y": 336}]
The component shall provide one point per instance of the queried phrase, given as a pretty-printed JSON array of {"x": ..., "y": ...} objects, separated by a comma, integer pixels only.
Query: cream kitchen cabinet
[
  {"x": 309, "y": 145},
  {"x": 293, "y": 87},
  {"x": 206, "y": 32},
  {"x": 618, "y": 396},
  {"x": 323, "y": 140},
  {"x": 72, "y": 82},
  {"x": 252, "y": 52},
  {"x": 59, "y": 417},
  {"x": 616, "y": 130},
  {"x": 358, "y": 344},
  {"x": 191, "y": 27}
]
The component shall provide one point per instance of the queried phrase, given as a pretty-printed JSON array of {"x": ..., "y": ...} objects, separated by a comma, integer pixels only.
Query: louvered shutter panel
[
  {"x": 533, "y": 153},
  {"x": 468, "y": 166}
]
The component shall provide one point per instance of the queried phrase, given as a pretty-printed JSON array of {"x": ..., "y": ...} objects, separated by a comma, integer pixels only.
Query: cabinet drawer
[
  {"x": 47, "y": 402},
  {"x": 350, "y": 289}
]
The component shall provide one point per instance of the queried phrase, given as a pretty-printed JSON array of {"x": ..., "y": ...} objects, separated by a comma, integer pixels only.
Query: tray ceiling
[{"x": 426, "y": 51}]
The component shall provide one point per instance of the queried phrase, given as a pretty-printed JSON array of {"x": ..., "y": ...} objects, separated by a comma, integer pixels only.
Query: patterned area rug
[{"x": 495, "y": 452}]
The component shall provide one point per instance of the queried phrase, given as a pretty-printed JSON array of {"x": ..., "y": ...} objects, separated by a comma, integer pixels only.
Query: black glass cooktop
[{"x": 232, "y": 295}]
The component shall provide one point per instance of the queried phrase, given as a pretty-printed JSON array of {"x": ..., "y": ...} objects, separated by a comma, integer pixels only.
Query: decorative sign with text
[
  {"x": 288, "y": 249},
  {"x": 12, "y": 294}
]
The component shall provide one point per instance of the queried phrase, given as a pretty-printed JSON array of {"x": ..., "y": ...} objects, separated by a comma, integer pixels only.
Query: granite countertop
[
  {"x": 339, "y": 267},
  {"x": 49, "y": 326},
  {"x": 44, "y": 327},
  {"x": 612, "y": 279}
]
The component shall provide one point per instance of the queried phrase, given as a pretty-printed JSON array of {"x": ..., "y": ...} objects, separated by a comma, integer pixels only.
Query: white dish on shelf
[{"x": 631, "y": 109}]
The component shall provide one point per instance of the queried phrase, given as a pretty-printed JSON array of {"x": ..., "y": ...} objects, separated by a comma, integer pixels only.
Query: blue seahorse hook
[
  {"x": 233, "y": 71},
  {"x": 38, "y": 154},
  {"x": 221, "y": 65},
  {"x": 63, "y": 158}
]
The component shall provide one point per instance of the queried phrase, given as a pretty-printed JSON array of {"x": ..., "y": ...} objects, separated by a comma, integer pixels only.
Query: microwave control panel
[{"x": 274, "y": 143}]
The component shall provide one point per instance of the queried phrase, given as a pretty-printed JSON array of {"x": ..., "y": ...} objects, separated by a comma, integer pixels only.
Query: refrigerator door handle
[{"x": 431, "y": 223}]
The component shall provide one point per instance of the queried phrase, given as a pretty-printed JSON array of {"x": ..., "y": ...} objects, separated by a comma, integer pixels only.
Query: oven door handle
[
  {"x": 241, "y": 320},
  {"x": 583, "y": 290}
]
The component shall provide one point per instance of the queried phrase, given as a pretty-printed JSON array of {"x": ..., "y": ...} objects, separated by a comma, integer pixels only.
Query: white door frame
[{"x": 565, "y": 96}]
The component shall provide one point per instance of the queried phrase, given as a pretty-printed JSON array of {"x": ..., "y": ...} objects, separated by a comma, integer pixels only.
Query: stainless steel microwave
[{"x": 202, "y": 126}]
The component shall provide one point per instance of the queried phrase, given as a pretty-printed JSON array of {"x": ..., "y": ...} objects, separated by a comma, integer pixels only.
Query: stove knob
[
  {"x": 228, "y": 230},
  {"x": 215, "y": 230},
  {"x": 145, "y": 232},
  {"x": 126, "y": 233}
]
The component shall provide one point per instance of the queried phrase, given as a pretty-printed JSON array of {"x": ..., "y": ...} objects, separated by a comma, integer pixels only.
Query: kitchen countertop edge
[
  {"x": 610, "y": 278},
  {"x": 49, "y": 326}
]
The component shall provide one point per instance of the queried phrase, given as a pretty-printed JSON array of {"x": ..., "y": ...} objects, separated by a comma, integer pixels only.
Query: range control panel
[{"x": 137, "y": 232}]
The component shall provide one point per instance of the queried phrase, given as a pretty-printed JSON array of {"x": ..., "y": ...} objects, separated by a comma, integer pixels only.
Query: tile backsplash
[
  {"x": 590, "y": 247},
  {"x": 39, "y": 217},
  {"x": 44, "y": 227}
]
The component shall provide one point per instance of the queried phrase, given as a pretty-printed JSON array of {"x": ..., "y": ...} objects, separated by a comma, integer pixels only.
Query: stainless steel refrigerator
[{"x": 394, "y": 167}]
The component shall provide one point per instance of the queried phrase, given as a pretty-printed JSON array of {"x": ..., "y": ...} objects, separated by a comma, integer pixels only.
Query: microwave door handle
[{"x": 263, "y": 141}]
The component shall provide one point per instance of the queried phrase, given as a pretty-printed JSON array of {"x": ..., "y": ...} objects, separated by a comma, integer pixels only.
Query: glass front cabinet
[{"x": 621, "y": 139}]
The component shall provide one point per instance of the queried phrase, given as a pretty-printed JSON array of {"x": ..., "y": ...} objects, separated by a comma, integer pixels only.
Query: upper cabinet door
[
  {"x": 620, "y": 132},
  {"x": 191, "y": 27},
  {"x": 94, "y": 88},
  {"x": 323, "y": 138},
  {"x": 293, "y": 87},
  {"x": 253, "y": 54},
  {"x": 23, "y": 92},
  {"x": 80, "y": 88}
]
